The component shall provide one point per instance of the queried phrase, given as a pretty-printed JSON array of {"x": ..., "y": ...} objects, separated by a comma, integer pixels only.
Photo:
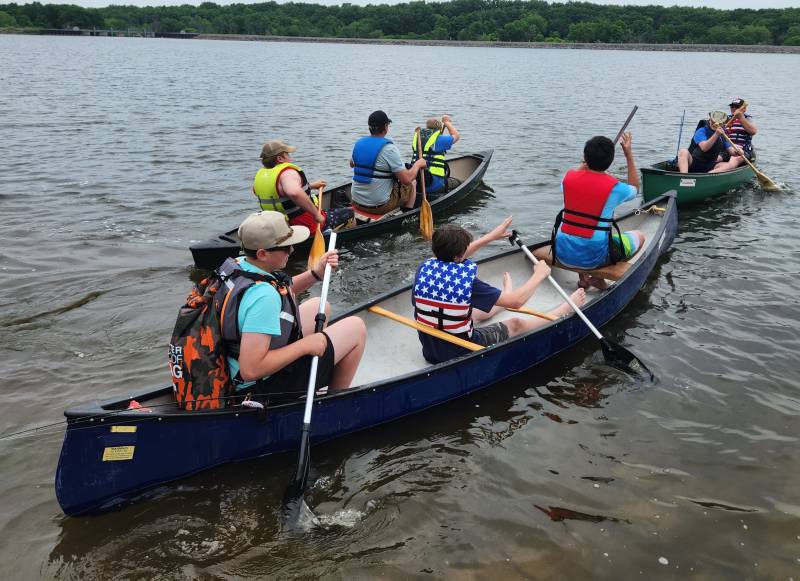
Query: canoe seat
[
  {"x": 363, "y": 217},
  {"x": 610, "y": 272}
]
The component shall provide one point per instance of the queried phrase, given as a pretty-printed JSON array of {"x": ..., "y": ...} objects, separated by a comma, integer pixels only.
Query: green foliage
[
  {"x": 6, "y": 20},
  {"x": 504, "y": 20}
]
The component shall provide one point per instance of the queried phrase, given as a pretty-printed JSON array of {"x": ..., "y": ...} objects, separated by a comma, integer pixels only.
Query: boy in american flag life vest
[
  {"x": 740, "y": 129},
  {"x": 448, "y": 294}
]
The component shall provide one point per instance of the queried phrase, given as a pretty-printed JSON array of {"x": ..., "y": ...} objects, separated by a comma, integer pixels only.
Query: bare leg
[
  {"x": 408, "y": 202},
  {"x": 518, "y": 325},
  {"x": 308, "y": 310},
  {"x": 684, "y": 160},
  {"x": 348, "y": 337},
  {"x": 732, "y": 163}
]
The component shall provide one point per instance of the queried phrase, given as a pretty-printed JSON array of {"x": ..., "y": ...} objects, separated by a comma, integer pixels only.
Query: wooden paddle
[
  {"x": 295, "y": 507},
  {"x": 425, "y": 212},
  {"x": 527, "y": 311},
  {"x": 615, "y": 355},
  {"x": 318, "y": 246},
  {"x": 765, "y": 182},
  {"x": 444, "y": 336}
]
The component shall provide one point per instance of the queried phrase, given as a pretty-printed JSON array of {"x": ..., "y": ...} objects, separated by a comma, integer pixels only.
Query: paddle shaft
[
  {"x": 744, "y": 157},
  {"x": 680, "y": 135},
  {"x": 425, "y": 329},
  {"x": 625, "y": 125},
  {"x": 422, "y": 171},
  {"x": 527, "y": 311},
  {"x": 561, "y": 291},
  {"x": 305, "y": 432}
]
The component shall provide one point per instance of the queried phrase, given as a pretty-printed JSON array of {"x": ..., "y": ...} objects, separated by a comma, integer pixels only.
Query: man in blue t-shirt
[
  {"x": 434, "y": 151},
  {"x": 448, "y": 294}
]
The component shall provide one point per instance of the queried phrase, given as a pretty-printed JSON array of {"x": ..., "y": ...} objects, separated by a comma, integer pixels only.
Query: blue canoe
[{"x": 111, "y": 455}]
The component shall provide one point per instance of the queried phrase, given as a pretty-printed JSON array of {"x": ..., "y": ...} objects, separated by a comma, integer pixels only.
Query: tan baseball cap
[
  {"x": 276, "y": 147},
  {"x": 268, "y": 230}
]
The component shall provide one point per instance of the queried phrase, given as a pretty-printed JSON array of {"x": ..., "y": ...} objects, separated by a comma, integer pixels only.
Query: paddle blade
[
  {"x": 317, "y": 248},
  {"x": 766, "y": 183},
  {"x": 426, "y": 220},
  {"x": 617, "y": 356}
]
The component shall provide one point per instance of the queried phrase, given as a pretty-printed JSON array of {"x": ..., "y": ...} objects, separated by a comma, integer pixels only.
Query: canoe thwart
[
  {"x": 527, "y": 311},
  {"x": 425, "y": 329}
]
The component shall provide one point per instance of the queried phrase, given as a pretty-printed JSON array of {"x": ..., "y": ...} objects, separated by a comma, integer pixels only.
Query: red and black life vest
[
  {"x": 739, "y": 135},
  {"x": 586, "y": 193}
]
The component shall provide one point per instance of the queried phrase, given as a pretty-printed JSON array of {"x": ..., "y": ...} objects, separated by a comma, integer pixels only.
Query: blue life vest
[
  {"x": 443, "y": 295},
  {"x": 365, "y": 153}
]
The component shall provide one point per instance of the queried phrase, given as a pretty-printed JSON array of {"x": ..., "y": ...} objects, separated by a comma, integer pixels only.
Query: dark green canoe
[{"x": 691, "y": 187}]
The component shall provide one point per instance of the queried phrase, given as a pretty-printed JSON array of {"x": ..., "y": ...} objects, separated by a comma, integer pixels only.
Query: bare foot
[
  {"x": 585, "y": 281},
  {"x": 578, "y": 297}
]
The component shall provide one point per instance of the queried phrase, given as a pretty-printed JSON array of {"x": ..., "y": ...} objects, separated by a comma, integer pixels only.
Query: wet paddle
[
  {"x": 765, "y": 182},
  {"x": 318, "y": 246},
  {"x": 444, "y": 336},
  {"x": 295, "y": 507},
  {"x": 615, "y": 355},
  {"x": 425, "y": 212}
]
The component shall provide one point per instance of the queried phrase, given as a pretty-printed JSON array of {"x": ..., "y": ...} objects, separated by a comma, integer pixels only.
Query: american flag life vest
[{"x": 443, "y": 295}]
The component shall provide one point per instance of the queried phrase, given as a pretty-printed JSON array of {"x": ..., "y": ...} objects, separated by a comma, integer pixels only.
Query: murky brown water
[{"x": 116, "y": 154}]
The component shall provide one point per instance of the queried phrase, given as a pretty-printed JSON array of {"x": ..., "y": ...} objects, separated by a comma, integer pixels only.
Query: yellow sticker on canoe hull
[
  {"x": 115, "y": 453},
  {"x": 123, "y": 429}
]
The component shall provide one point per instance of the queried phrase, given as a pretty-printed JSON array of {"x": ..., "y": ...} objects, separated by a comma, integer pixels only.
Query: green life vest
[
  {"x": 265, "y": 187},
  {"x": 435, "y": 159}
]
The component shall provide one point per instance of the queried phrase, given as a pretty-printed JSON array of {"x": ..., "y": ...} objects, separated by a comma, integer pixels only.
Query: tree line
[{"x": 489, "y": 20}]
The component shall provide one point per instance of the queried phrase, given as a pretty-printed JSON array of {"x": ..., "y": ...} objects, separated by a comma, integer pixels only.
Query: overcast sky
[{"x": 726, "y": 4}]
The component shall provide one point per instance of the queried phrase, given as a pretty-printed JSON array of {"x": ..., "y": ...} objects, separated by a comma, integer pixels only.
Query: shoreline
[
  {"x": 771, "y": 49},
  {"x": 762, "y": 49}
]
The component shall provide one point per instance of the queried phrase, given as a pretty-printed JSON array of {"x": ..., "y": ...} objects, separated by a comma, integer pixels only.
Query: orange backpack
[{"x": 200, "y": 376}]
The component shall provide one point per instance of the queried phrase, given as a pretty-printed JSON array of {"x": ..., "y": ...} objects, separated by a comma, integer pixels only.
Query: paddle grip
[{"x": 625, "y": 125}]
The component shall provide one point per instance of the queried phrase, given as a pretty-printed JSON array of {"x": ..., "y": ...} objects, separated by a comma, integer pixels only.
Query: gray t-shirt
[{"x": 377, "y": 192}]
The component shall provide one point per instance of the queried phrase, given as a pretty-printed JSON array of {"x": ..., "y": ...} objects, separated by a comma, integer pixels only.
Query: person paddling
[
  {"x": 434, "y": 146},
  {"x": 448, "y": 294},
  {"x": 276, "y": 335},
  {"x": 584, "y": 237},
  {"x": 282, "y": 186},
  {"x": 381, "y": 181}
]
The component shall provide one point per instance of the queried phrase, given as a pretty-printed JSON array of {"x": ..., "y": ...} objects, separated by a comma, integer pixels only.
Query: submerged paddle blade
[
  {"x": 426, "y": 220},
  {"x": 619, "y": 357},
  {"x": 766, "y": 183}
]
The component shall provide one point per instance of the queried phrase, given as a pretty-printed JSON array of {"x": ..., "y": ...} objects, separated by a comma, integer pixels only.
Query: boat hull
[
  {"x": 691, "y": 188},
  {"x": 210, "y": 254},
  {"x": 111, "y": 455}
]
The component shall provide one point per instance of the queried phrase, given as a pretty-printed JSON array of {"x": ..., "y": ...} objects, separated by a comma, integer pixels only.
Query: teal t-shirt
[{"x": 259, "y": 312}]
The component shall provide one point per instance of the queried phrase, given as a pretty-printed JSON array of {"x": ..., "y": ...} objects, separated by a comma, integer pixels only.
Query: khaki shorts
[{"x": 399, "y": 197}]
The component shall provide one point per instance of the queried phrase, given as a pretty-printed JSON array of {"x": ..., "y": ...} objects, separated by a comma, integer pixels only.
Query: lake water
[{"x": 116, "y": 154}]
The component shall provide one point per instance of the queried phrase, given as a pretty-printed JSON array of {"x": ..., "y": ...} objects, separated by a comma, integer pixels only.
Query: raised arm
[
  {"x": 626, "y": 141},
  {"x": 451, "y": 128},
  {"x": 501, "y": 232}
]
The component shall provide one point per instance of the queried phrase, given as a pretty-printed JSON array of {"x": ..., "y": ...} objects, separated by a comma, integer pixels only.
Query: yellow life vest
[
  {"x": 265, "y": 187},
  {"x": 435, "y": 159}
]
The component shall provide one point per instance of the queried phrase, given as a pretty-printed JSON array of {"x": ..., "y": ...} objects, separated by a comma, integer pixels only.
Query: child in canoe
[{"x": 448, "y": 294}]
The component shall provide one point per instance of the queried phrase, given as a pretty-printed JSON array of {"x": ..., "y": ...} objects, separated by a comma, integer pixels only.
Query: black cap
[
  {"x": 378, "y": 119},
  {"x": 737, "y": 103}
]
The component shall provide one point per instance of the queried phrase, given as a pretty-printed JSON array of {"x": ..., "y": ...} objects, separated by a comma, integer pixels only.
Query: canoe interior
[{"x": 393, "y": 349}]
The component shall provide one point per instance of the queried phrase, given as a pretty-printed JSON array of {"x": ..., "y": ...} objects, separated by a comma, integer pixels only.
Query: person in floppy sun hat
[
  {"x": 707, "y": 145},
  {"x": 277, "y": 338}
]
